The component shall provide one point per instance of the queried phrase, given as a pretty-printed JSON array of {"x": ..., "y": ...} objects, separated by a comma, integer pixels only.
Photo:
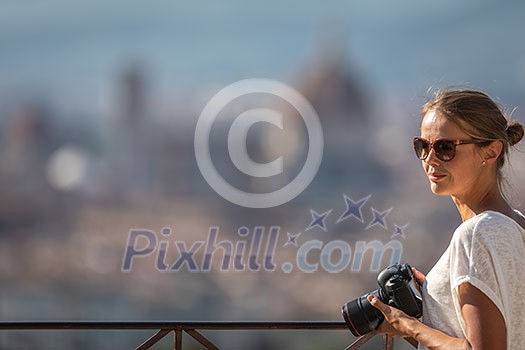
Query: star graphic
[
  {"x": 318, "y": 220},
  {"x": 379, "y": 218},
  {"x": 292, "y": 239},
  {"x": 353, "y": 208},
  {"x": 399, "y": 231}
]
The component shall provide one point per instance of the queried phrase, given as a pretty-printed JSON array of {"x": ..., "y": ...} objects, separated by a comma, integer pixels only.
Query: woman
[{"x": 474, "y": 297}]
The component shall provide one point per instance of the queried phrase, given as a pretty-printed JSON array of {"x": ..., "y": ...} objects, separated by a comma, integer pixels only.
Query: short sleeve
[{"x": 477, "y": 257}]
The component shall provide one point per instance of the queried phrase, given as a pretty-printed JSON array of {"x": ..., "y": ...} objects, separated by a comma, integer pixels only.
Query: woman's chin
[{"x": 438, "y": 189}]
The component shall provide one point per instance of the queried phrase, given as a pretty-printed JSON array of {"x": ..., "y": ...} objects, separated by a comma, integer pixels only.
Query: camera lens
[{"x": 360, "y": 316}]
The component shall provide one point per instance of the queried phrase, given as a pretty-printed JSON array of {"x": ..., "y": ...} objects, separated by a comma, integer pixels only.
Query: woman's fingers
[
  {"x": 378, "y": 304},
  {"x": 420, "y": 277},
  {"x": 392, "y": 317}
]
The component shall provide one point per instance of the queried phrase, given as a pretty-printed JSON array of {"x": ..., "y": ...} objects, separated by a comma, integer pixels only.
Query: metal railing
[{"x": 193, "y": 328}]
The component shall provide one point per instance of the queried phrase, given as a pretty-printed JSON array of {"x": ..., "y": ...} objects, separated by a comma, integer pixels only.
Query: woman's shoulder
[{"x": 488, "y": 225}]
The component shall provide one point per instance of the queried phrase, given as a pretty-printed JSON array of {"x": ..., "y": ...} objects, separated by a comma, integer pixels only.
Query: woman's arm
[{"x": 485, "y": 326}]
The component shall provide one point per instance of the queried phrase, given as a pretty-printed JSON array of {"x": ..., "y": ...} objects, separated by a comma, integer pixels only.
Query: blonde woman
[{"x": 474, "y": 297}]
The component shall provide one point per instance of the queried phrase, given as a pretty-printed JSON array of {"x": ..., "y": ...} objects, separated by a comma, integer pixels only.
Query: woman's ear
[{"x": 490, "y": 153}]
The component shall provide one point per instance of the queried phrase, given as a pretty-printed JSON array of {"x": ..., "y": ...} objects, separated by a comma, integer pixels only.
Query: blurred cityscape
[{"x": 74, "y": 182}]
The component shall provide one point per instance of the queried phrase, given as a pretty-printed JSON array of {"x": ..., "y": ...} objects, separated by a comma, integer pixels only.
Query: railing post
[
  {"x": 154, "y": 339},
  {"x": 360, "y": 341},
  {"x": 388, "y": 343},
  {"x": 178, "y": 338},
  {"x": 201, "y": 339}
]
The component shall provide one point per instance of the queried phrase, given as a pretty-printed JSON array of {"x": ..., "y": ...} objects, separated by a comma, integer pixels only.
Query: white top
[{"x": 488, "y": 251}]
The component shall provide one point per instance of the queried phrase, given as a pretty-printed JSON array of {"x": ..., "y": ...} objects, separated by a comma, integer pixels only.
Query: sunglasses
[{"x": 444, "y": 150}]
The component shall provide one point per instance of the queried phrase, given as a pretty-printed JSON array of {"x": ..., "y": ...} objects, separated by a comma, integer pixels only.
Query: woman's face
[{"x": 459, "y": 176}]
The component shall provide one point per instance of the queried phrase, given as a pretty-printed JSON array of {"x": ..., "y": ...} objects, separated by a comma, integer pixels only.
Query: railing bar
[
  {"x": 359, "y": 342},
  {"x": 178, "y": 338},
  {"x": 388, "y": 343},
  {"x": 274, "y": 325},
  {"x": 154, "y": 339},
  {"x": 178, "y": 328},
  {"x": 82, "y": 325},
  {"x": 412, "y": 342},
  {"x": 201, "y": 339}
]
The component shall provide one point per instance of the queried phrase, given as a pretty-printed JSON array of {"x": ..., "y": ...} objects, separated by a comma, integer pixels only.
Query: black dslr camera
[{"x": 397, "y": 288}]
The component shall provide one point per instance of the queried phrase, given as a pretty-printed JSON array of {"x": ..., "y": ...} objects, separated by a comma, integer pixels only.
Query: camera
[{"x": 397, "y": 288}]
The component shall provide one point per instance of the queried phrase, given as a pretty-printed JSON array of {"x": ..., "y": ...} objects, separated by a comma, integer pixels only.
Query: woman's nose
[{"x": 431, "y": 158}]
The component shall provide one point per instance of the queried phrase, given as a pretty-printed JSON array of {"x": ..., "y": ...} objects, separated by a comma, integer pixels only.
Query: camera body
[{"x": 397, "y": 288}]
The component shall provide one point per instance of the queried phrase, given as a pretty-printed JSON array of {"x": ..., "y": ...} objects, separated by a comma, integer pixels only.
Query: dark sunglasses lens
[
  {"x": 445, "y": 150},
  {"x": 421, "y": 148}
]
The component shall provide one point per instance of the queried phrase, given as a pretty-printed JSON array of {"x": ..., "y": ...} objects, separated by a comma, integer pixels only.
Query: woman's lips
[{"x": 435, "y": 177}]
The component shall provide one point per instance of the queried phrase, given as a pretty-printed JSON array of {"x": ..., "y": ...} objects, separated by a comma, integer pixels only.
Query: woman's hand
[
  {"x": 396, "y": 322},
  {"x": 420, "y": 278}
]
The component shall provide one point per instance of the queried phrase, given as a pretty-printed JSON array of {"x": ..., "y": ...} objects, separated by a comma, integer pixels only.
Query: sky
[{"x": 59, "y": 47}]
